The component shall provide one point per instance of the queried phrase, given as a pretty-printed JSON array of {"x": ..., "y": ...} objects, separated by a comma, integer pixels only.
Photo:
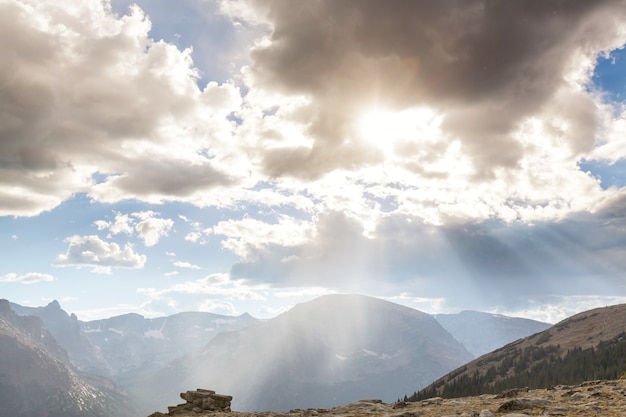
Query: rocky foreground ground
[{"x": 590, "y": 399}]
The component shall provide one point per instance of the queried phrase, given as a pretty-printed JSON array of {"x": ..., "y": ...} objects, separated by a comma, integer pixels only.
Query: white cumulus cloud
[
  {"x": 93, "y": 252},
  {"x": 86, "y": 92},
  {"x": 248, "y": 236},
  {"x": 146, "y": 224}
]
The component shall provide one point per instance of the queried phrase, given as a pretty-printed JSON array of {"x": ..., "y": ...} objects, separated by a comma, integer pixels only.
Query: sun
[
  {"x": 377, "y": 125},
  {"x": 385, "y": 127}
]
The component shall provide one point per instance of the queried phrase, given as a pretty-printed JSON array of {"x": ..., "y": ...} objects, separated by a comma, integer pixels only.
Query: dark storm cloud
[{"x": 486, "y": 64}]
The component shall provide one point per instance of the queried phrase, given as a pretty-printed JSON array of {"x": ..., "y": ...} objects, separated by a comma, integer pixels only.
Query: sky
[{"x": 237, "y": 156}]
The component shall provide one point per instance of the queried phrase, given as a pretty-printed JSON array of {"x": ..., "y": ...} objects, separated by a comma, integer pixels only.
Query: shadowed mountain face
[
  {"x": 36, "y": 378},
  {"x": 481, "y": 333},
  {"x": 66, "y": 330},
  {"x": 330, "y": 351},
  {"x": 586, "y": 346}
]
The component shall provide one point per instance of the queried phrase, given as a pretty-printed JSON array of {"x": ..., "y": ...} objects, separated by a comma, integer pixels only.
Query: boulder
[{"x": 198, "y": 401}]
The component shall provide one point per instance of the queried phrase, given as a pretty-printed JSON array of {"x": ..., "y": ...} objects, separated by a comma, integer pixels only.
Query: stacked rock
[{"x": 199, "y": 401}]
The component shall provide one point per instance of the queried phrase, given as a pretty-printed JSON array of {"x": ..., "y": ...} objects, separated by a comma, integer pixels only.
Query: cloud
[
  {"x": 338, "y": 255},
  {"x": 468, "y": 266},
  {"x": 186, "y": 265},
  {"x": 146, "y": 309},
  {"x": 612, "y": 148},
  {"x": 247, "y": 237},
  {"x": 490, "y": 120},
  {"x": 552, "y": 309},
  {"x": 102, "y": 256},
  {"x": 28, "y": 278},
  {"x": 211, "y": 285},
  {"x": 505, "y": 59},
  {"x": 85, "y": 92},
  {"x": 498, "y": 112},
  {"x": 151, "y": 228},
  {"x": 122, "y": 224},
  {"x": 146, "y": 224},
  {"x": 310, "y": 292},
  {"x": 218, "y": 307},
  {"x": 223, "y": 294},
  {"x": 195, "y": 237},
  {"x": 268, "y": 311}
]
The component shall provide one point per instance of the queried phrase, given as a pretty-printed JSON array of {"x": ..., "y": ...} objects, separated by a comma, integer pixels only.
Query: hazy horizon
[
  {"x": 157, "y": 316},
  {"x": 237, "y": 156}
]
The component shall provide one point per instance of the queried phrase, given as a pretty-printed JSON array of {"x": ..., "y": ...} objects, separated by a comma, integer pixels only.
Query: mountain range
[
  {"x": 326, "y": 352},
  {"x": 127, "y": 343}
]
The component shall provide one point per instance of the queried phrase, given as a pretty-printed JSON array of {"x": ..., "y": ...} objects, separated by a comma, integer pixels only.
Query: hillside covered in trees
[{"x": 588, "y": 346}]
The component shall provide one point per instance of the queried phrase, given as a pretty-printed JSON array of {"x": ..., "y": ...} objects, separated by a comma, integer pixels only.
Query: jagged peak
[{"x": 5, "y": 306}]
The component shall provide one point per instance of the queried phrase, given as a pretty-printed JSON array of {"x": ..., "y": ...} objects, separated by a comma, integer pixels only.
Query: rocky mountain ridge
[
  {"x": 37, "y": 379},
  {"x": 126, "y": 343}
]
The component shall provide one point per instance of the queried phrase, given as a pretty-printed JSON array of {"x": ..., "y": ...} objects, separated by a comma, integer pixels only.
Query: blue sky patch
[
  {"x": 610, "y": 75},
  {"x": 610, "y": 175}
]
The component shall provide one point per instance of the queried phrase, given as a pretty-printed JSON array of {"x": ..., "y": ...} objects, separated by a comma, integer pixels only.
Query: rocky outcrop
[
  {"x": 589, "y": 399},
  {"x": 198, "y": 401}
]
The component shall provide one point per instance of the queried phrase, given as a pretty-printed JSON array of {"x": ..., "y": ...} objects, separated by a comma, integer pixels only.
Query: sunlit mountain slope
[{"x": 329, "y": 351}]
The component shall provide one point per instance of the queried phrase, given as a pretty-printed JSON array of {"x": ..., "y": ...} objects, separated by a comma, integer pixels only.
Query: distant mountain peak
[
  {"x": 54, "y": 304},
  {"x": 483, "y": 332}
]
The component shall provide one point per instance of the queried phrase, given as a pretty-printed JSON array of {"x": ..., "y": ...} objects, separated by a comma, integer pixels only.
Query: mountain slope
[
  {"x": 130, "y": 342},
  {"x": 589, "y": 345},
  {"x": 66, "y": 330},
  {"x": 36, "y": 378},
  {"x": 482, "y": 333},
  {"x": 326, "y": 352}
]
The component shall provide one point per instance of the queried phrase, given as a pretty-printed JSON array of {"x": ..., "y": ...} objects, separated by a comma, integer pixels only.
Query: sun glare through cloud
[{"x": 388, "y": 129}]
